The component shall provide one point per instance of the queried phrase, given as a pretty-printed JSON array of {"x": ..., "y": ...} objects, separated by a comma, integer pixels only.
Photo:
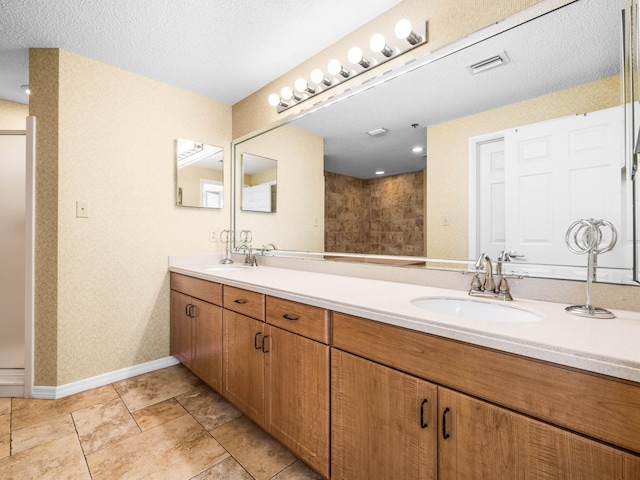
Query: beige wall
[
  {"x": 448, "y": 20},
  {"x": 13, "y": 115},
  {"x": 106, "y": 137},
  {"x": 298, "y": 222},
  {"x": 448, "y": 156}
]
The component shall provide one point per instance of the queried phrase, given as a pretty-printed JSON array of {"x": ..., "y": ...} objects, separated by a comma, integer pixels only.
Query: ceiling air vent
[{"x": 488, "y": 63}]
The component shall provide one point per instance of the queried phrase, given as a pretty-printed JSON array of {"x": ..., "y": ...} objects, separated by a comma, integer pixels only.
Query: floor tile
[
  {"x": 59, "y": 459},
  {"x": 208, "y": 408},
  {"x": 228, "y": 469},
  {"x": 297, "y": 471},
  {"x": 179, "y": 449},
  {"x": 41, "y": 433},
  {"x": 256, "y": 451},
  {"x": 158, "y": 414},
  {"x": 104, "y": 424},
  {"x": 155, "y": 387},
  {"x": 5, "y": 406},
  {"x": 5, "y": 435},
  {"x": 29, "y": 411}
]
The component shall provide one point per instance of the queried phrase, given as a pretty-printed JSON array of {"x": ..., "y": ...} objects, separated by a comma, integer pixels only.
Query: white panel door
[
  {"x": 558, "y": 172},
  {"x": 12, "y": 250}
]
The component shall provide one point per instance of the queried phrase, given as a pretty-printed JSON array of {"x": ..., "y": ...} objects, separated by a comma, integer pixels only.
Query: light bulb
[
  {"x": 274, "y": 99},
  {"x": 404, "y": 31},
  {"x": 286, "y": 93},
  {"x": 417, "y": 149},
  {"x": 302, "y": 86},
  {"x": 318, "y": 77},
  {"x": 356, "y": 57},
  {"x": 378, "y": 44},
  {"x": 334, "y": 67}
]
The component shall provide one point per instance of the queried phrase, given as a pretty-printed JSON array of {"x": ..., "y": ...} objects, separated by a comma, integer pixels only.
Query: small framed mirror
[
  {"x": 259, "y": 183},
  {"x": 199, "y": 178}
]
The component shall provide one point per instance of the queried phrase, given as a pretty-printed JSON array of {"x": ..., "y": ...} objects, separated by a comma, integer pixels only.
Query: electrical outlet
[
  {"x": 82, "y": 209},
  {"x": 212, "y": 236}
]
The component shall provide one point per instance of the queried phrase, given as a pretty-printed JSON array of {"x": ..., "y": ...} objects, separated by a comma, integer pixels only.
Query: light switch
[{"x": 82, "y": 209}]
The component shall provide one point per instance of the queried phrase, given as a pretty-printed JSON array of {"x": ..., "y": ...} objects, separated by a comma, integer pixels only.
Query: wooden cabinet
[
  {"x": 383, "y": 422},
  {"x": 280, "y": 379},
  {"x": 297, "y": 395},
  {"x": 196, "y": 328},
  {"x": 481, "y": 440},
  {"x": 243, "y": 364}
]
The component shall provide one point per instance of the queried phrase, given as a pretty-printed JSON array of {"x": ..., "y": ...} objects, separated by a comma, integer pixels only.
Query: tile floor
[{"x": 165, "y": 424}]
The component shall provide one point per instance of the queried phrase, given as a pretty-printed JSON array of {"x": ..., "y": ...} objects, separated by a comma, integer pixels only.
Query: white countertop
[{"x": 610, "y": 347}]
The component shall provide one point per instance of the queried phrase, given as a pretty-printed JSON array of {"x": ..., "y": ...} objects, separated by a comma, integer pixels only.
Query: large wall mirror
[
  {"x": 498, "y": 142},
  {"x": 199, "y": 174}
]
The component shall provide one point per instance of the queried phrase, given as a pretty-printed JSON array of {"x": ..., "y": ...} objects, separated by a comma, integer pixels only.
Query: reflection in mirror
[
  {"x": 524, "y": 134},
  {"x": 259, "y": 183},
  {"x": 199, "y": 180}
]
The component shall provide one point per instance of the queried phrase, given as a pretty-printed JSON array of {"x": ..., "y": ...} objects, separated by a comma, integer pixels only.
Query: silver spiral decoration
[
  {"x": 589, "y": 237},
  {"x": 585, "y": 236}
]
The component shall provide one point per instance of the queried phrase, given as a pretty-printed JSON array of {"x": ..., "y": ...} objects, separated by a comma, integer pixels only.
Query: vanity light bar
[{"x": 382, "y": 49}]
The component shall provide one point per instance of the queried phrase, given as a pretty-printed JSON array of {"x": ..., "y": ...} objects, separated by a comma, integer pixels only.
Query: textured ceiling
[{"x": 222, "y": 49}]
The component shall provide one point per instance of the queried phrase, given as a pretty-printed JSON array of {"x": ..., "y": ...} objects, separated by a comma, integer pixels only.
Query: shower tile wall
[{"x": 382, "y": 216}]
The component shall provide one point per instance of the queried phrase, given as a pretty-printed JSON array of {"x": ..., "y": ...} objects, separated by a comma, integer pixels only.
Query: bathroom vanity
[{"x": 359, "y": 382}]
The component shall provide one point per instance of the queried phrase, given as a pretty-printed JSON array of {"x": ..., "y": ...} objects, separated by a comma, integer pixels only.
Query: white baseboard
[
  {"x": 11, "y": 382},
  {"x": 104, "y": 379}
]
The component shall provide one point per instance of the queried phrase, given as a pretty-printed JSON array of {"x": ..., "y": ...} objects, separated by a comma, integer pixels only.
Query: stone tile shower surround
[{"x": 383, "y": 216}]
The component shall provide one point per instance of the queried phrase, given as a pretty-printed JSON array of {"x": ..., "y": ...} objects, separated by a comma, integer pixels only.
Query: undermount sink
[
  {"x": 475, "y": 310},
  {"x": 225, "y": 267}
]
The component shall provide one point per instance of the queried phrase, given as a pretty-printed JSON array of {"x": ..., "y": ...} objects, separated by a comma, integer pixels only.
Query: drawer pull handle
[
  {"x": 187, "y": 307},
  {"x": 263, "y": 339},
  {"x": 240, "y": 301},
  {"x": 445, "y": 435},
  {"x": 423, "y": 424},
  {"x": 255, "y": 341},
  {"x": 290, "y": 317}
]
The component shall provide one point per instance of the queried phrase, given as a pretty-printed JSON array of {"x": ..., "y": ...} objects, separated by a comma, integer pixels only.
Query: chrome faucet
[
  {"x": 488, "y": 287},
  {"x": 250, "y": 257}
]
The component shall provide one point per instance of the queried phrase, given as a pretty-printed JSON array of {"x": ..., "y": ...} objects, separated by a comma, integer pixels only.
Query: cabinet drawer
[
  {"x": 195, "y": 287},
  {"x": 245, "y": 302},
  {"x": 305, "y": 320}
]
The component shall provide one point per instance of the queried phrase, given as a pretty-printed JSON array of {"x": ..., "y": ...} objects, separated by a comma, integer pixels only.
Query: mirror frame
[{"x": 531, "y": 13}]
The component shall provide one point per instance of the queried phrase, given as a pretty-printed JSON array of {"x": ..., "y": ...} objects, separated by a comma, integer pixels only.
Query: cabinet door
[
  {"x": 297, "y": 395},
  {"x": 383, "y": 422},
  {"x": 243, "y": 364},
  {"x": 483, "y": 441},
  {"x": 207, "y": 343},
  {"x": 181, "y": 328}
]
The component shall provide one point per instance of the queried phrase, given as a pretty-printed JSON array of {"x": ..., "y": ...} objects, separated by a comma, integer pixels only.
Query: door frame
[
  {"x": 474, "y": 143},
  {"x": 30, "y": 164}
]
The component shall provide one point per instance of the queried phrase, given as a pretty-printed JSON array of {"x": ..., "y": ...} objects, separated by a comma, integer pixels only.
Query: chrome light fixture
[
  {"x": 404, "y": 31},
  {"x": 302, "y": 86},
  {"x": 407, "y": 36},
  {"x": 378, "y": 44},
  {"x": 356, "y": 57},
  {"x": 334, "y": 67},
  {"x": 317, "y": 77}
]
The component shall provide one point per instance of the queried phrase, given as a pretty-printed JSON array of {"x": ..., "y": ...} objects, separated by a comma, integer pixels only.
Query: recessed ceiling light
[
  {"x": 417, "y": 149},
  {"x": 380, "y": 172},
  {"x": 26, "y": 89}
]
